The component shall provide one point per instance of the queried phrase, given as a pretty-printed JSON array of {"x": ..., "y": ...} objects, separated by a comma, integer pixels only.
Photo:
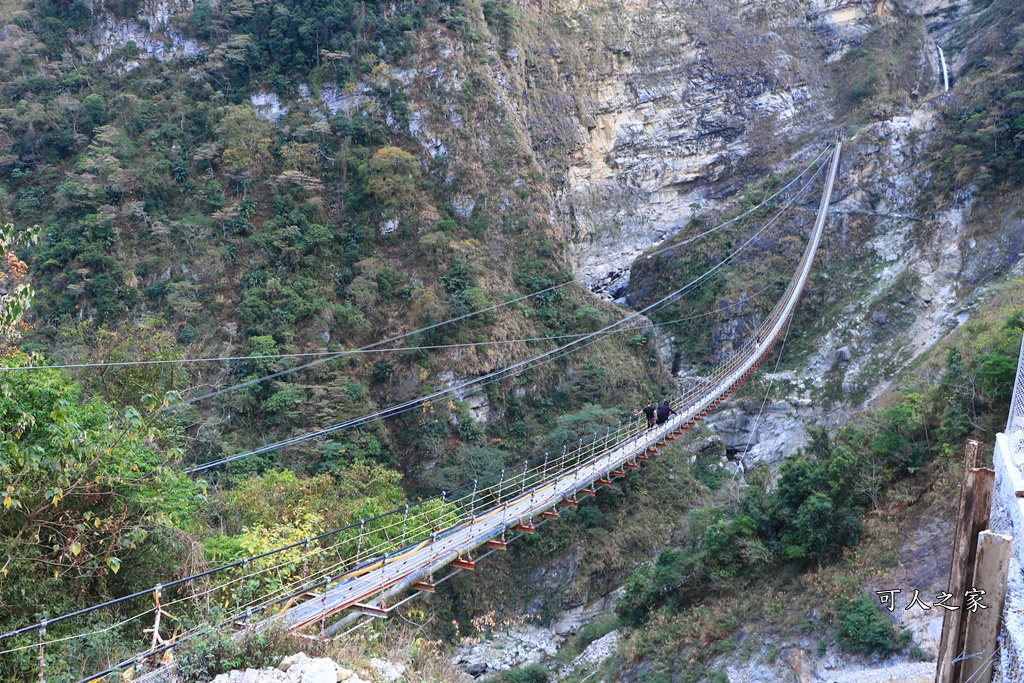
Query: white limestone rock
[
  {"x": 299, "y": 668},
  {"x": 268, "y": 105},
  {"x": 386, "y": 671}
]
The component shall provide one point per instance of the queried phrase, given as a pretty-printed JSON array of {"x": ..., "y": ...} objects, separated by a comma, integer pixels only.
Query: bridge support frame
[
  {"x": 466, "y": 563},
  {"x": 370, "y": 610}
]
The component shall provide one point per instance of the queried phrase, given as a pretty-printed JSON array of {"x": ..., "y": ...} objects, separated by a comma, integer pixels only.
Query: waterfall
[{"x": 945, "y": 72}]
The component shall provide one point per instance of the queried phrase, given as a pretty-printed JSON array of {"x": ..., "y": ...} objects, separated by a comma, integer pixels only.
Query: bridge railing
[
  {"x": 252, "y": 588},
  {"x": 153, "y": 621},
  {"x": 242, "y": 591}
]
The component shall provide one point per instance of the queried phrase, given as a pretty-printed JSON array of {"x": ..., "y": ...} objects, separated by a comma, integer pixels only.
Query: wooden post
[
  {"x": 975, "y": 504},
  {"x": 951, "y": 620},
  {"x": 982, "y": 624},
  {"x": 982, "y": 481}
]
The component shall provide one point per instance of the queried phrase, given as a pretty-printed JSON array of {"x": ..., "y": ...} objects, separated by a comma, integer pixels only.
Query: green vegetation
[
  {"x": 860, "y": 627},
  {"x": 168, "y": 202},
  {"x": 810, "y": 515},
  {"x": 209, "y": 655},
  {"x": 88, "y": 490},
  {"x": 982, "y": 144},
  {"x": 769, "y": 540},
  {"x": 534, "y": 673},
  {"x": 95, "y": 509}
]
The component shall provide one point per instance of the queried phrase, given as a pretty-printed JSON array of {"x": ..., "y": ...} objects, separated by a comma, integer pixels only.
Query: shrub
[
  {"x": 861, "y": 627},
  {"x": 186, "y": 335},
  {"x": 94, "y": 112},
  {"x": 534, "y": 673},
  {"x": 712, "y": 477},
  {"x": 471, "y": 462},
  {"x": 89, "y": 491},
  {"x": 815, "y": 509},
  {"x": 209, "y": 655},
  {"x": 583, "y": 423}
]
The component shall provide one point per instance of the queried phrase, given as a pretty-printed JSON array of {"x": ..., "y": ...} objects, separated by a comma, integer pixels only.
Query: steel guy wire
[
  {"x": 244, "y": 577},
  {"x": 989, "y": 662},
  {"x": 467, "y": 315},
  {"x": 374, "y": 345},
  {"x": 412, "y": 404},
  {"x": 401, "y": 408},
  {"x": 483, "y": 380},
  {"x": 371, "y": 349},
  {"x": 652, "y": 307},
  {"x": 279, "y": 356},
  {"x": 742, "y": 215},
  {"x": 408, "y": 406},
  {"x": 111, "y": 627},
  {"x": 317, "y": 354},
  {"x": 767, "y": 393}
]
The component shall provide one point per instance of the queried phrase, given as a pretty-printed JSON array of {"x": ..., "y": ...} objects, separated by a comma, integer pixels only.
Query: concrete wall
[{"x": 1008, "y": 518}]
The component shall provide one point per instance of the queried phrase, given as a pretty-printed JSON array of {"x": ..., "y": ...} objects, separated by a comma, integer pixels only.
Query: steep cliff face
[
  {"x": 619, "y": 122},
  {"x": 614, "y": 124},
  {"x": 645, "y": 113}
]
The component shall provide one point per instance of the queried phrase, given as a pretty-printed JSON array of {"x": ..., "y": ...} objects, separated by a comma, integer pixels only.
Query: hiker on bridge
[
  {"x": 649, "y": 411},
  {"x": 664, "y": 410}
]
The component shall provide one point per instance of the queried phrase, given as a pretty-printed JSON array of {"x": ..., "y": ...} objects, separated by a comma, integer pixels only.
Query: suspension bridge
[{"x": 365, "y": 570}]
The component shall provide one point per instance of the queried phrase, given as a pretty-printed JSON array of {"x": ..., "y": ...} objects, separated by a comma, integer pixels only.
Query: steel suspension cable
[
  {"x": 167, "y": 646},
  {"x": 389, "y": 340},
  {"x": 742, "y": 215},
  {"x": 767, "y": 392},
  {"x": 312, "y": 354},
  {"x": 374, "y": 345},
  {"x": 483, "y": 380}
]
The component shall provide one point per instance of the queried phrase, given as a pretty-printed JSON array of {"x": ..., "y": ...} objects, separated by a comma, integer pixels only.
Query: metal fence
[
  {"x": 1015, "y": 420},
  {"x": 1008, "y": 517}
]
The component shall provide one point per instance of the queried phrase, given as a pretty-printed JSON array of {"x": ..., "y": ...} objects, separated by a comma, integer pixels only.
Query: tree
[
  {"x": 138, "y": 339},
  {"x": 898, "y": 434},
  {"x": 83, "y": 487},
  {"x": 247, "y": 140},
  {"x": 391, "y": 176},
  {"x": 16, "y": 295},
  {"x": 94, "y": 112}
]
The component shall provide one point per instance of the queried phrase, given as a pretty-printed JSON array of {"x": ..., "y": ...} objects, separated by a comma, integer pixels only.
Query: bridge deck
[{"x": 396, "y": 573}]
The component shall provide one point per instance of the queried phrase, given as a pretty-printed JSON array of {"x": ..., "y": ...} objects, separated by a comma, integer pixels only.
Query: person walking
[
  {"x": 664, "y": 410},
  {"x": 649, "y": 411}
]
